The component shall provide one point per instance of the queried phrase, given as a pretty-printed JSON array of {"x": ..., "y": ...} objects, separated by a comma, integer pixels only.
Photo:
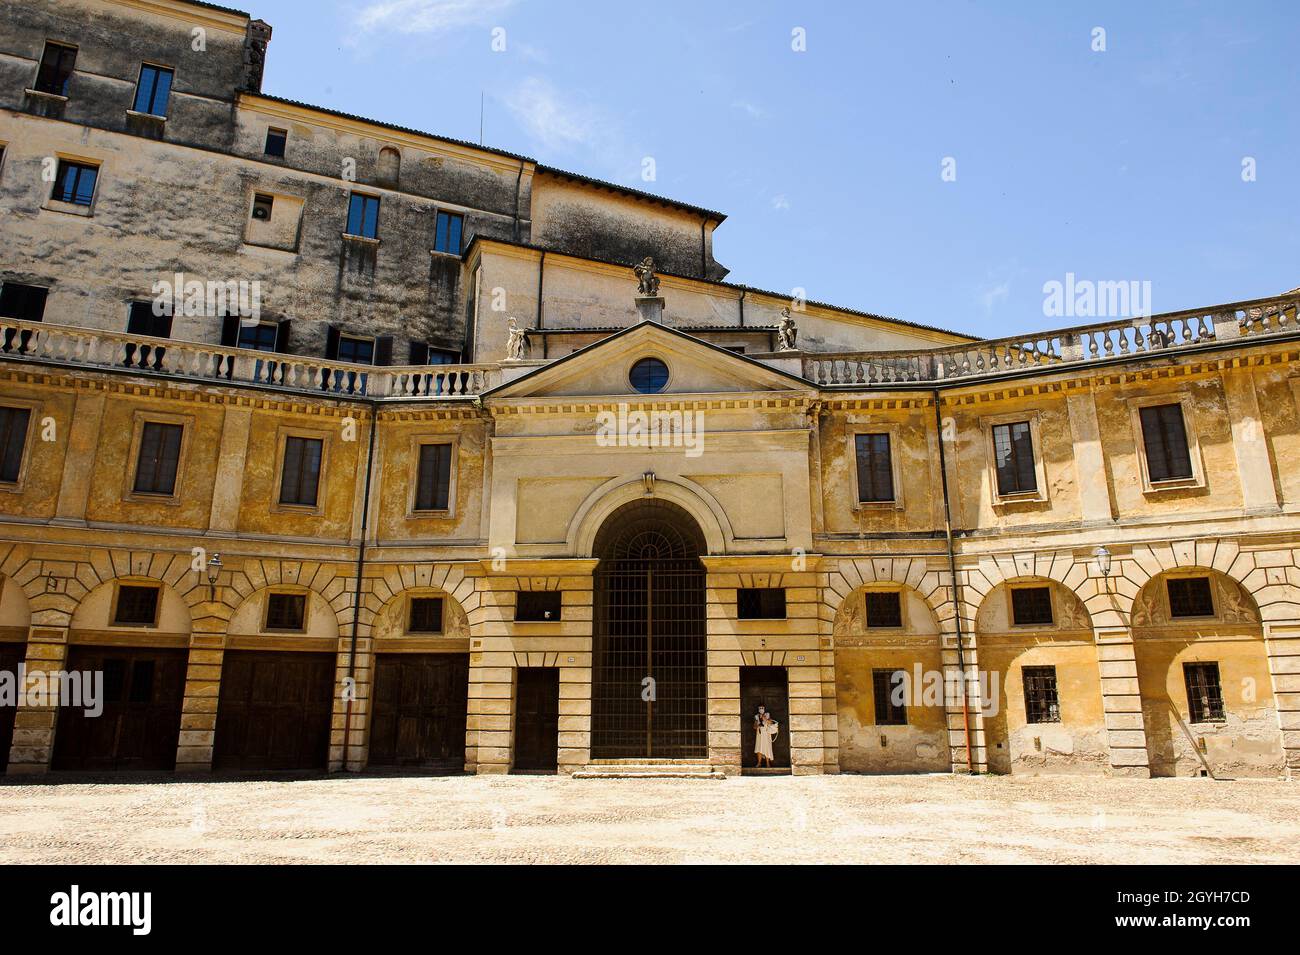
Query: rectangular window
[
  {"x": 446, "y": 234},
  {"x": 137, "y": 606},
  {"x": 276, "y": 140},
  {"x": 1164, "y": 437},
  {"x": 1041, "y": 702},
  {"x": 363, "y": 216},
  {"x": 154, "y": 90},
  {"x": 285, "y": 611},
  {"x": 300, "y": 478},
  {"x": 75, "y": 182},
  {"x": 359, "y": 351},
  {"x": 426, "y": 615},
  {"x": 1013, "y": 453},
  {"x": 1190, "y": 597},
  {"x": 1031, "y": 605},
  {"x": 887, "y": 687},
  {"x": 25, "y": 302},
  {"x": 433, "y": 481},
  {"x": 1204, "y": 692},
  {"x": 259, "y": 337},
  {"x": 55, "y": 74},
  {"x": 538, "y": 605},
  {"x": 13, "y": 441},
  {"x": 160, "y": 454},
  {"x": 760, "y": 603},
  {"x": 142, "y": 320},
  {"x": 875, "y": 468},
  {"x": 262, "y": 206},
  {"x": 884, "y": 609}
]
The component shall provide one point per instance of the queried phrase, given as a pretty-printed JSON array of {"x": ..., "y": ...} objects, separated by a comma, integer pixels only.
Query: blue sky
[{"x": 1119, "y": 165}]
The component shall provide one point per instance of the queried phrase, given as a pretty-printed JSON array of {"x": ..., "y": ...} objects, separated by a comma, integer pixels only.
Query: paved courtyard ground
[{"x": 548, "y": 819}]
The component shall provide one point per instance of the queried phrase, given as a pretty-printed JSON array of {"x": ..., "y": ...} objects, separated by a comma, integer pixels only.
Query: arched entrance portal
[{"x": 649, "y": 659}]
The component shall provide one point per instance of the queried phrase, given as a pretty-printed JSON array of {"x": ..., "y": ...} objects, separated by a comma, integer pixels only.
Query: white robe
[{"x": 763, "y": 736}]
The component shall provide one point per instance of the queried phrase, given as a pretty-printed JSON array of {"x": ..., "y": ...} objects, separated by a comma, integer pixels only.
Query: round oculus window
[{"x": 649, "y": 376}]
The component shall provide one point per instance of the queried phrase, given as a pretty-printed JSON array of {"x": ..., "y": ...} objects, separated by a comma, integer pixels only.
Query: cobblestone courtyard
[{"x": 549, "y": 819}]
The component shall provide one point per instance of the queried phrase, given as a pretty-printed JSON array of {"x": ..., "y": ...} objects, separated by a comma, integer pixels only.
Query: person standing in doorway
[{"x": 765, "y": 730}]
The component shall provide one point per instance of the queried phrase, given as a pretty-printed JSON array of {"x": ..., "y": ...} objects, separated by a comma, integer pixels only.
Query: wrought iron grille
[{"x": 649, "y": 667}]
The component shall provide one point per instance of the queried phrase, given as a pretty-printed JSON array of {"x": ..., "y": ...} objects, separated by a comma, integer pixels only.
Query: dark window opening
[
  {"x": 142, "y": 674},
  {"x": 888, "y": 688},
  {"x": 426, "y": 615},
  {"x": 363, "y": 216},
  {"x": 1204, "y": 692},
  {"x": 359, "y": 351},
  {"x": 884, "y": 609},
  {"x": 1041, "y": 702},
  {"x": 259, "y": 337},
  {"x": 300, "y": 478},
  {"x": 143, "y": 319},
  {"x": 262, "y": 206},
  {"x": 24, "y": 302},
  {"x": 649, "y": 376},
  {"x": 285, "y": 611},
  {"x": 433, "y": 482},
  {"x": 55, "y": 73},
  {"x": 75, "y": 183},
  {"x": 154, "y": 90},
  {"x": 1031, "y": 605},
  {"x": 1013, "y": 452},
  {"x": 760, "y": 603},
  {"x": 875, "y": 468},
  {"x": 136, "y": 606},
  {"x": 1190, "y": 597},
  {"x": 160, "y": 452},
  {"x": 447, "y": 232},
  {"x": 537, "y": 605},
  {"x": 13, "y": 441},
  {"x": 276, "y": 139},
  {"x": 1164, "y": 436}
]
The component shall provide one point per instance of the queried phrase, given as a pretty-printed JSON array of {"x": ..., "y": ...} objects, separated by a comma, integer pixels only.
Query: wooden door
[
  {"x": 140, "y": 722},
  {"x": 11, "y": 655},
  {"x": 274, "y": 710},
  {"x": 767, "y": 687},
  {"x": 418, "y": 710},
  {"x": 537, "y": 719}
]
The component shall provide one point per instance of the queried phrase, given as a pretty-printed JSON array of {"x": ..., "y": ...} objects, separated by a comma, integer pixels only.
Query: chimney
[{"x": 255, "y": 41}]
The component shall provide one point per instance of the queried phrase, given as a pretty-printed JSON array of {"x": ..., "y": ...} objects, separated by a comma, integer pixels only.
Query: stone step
[{"x": 648, "y": 769}]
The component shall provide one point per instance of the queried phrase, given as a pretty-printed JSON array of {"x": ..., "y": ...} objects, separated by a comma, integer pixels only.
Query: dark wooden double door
[
  {"x": 140, "y": 721},
  {"x": 537, "y": 719},
  {"x": 769, "y": 688},
  {"x": 274, "y": 711},
  {"x": 418, "y": 710},
  {"x": 11, "y": 655}
]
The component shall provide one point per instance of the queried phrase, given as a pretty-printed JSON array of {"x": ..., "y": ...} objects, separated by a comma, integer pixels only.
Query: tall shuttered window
[
  {"x": 433, "y": 482},
  {"x": 875, "y": 468},
  {"x": 1042, "y": 705},
  {"x": 160, "y": 454},
  {"x": 300, "y": 480},
  {"x": 13, "y": 440},
  {"x": 888, "y": 687},
  {"x": 1164, "y": 436},
  {"x": 1013, "y": 455},
  {"x": 55, "y": 73},
  {"x": 1204, "y": 692}
]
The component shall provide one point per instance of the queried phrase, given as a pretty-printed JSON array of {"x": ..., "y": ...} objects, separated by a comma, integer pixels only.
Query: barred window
[
  {"x": 1041, "y": 702},
  {"x": 136, "y": 606},
  {"x": 884, "y": 609},
  {"x": 887, "y": 687},
  {"x": 1164, "y": 436},
  {"x": 875, "y": 468},
  {"x": 285, "y": 611},
  {"x": 1031, "y": 605},
  {"x": 1204, "y": 692},
  {"x": 1013, "y": 453},
  {"x": 760, "y": 603},
  {"x": 426, "y": 615},
  {"x": 1190, "y": 597}
]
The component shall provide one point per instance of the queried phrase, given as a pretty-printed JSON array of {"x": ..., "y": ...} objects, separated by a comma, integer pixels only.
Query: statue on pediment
[
  {"x": 648, "y": 282},
  {"x": 517, "y": 342},
  {"x": 787, "y": 333}
]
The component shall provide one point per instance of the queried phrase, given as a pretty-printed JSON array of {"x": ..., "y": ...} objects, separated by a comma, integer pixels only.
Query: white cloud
[
  {"x": 747, "y": 107},
  {"x": 780, "y": 202},
  {"x": 431, "y": 16},
  {"x": 551, "y": 120}
]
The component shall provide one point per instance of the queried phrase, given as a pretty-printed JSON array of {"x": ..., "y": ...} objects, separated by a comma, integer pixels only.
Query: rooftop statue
[
  {"x": 787, "y": 332},
  {"x": 649, "y": 282}
]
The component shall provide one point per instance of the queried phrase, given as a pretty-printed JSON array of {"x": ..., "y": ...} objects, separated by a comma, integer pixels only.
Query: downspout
[
  {"x": 952, "y": 572},
  {"x": 518, "y": 184},
  {"x": 704, "y": 254},
  {"x": 356, "y": 594},
  {"x": 541, "y": 285},
  {"x": 742, "y": 307}
]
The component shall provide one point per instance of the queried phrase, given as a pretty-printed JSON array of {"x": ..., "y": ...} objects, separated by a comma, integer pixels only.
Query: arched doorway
[{"x": 649, "y": 644}]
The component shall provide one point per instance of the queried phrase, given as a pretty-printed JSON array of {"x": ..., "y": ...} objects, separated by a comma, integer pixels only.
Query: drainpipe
[
  {"x": 541, "y": 286},
  {"x": 356, "y": 594},
  {"x": 952, "y": 571}
]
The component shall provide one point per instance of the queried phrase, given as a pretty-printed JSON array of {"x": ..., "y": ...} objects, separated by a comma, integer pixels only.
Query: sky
[{"x": 939, "y": 162}]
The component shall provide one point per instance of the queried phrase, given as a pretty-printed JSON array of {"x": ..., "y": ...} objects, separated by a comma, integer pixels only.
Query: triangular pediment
[{"x": 695, "y": 367}]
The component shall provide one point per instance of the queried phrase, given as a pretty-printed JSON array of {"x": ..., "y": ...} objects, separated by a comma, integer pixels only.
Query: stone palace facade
[{"x": 331, "y": 444}]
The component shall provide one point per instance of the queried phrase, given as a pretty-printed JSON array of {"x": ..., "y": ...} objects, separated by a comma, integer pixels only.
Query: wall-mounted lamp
[
  {"x": 648, "y": 480},
  {"x": 214, "y": 572},
  {"x": 1101, "y": 560}
]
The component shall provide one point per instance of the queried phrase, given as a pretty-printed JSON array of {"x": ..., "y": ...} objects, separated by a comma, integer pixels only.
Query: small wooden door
[
  {"x": 11, "y": 655},
  {"x": 537, "y": 719},
  {"x": 418, "y": 710},
  {"x": 140, "y": 723},
  {"x": 767, "y": 687},
  {"x": 274, "y": 710}
]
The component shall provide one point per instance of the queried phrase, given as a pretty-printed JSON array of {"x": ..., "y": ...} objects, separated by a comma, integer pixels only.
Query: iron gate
[{"x": 649, "y": 667}]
